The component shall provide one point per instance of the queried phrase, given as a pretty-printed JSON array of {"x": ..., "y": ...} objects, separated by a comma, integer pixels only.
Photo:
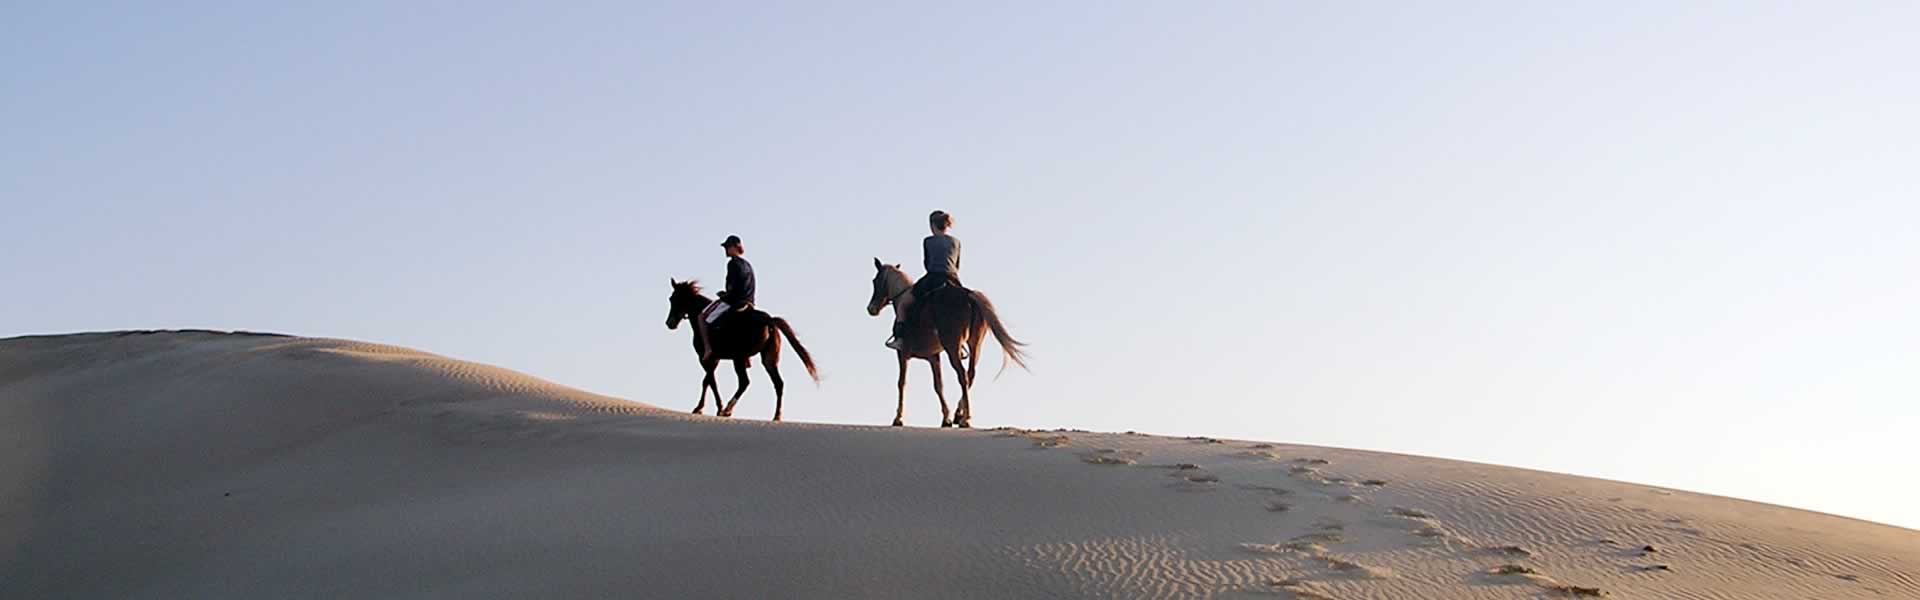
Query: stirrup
[{"x": 894, "y": 343}]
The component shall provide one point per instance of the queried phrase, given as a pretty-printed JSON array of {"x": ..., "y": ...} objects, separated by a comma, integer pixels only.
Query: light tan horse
[{"x": 953, "y": 318}]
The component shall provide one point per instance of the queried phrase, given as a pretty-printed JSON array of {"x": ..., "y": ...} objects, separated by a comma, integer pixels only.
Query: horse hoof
[
  {"x": 899, "y": 423},
  {"x": 946, "y": 424},
  {"x": 963, "y": 424},
  {"x": 776, "y": 418},
  {"x": 699, "y": 411}
]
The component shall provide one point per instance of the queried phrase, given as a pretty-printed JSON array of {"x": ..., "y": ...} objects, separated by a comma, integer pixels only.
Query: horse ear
[
  {"x": 876, "y": 263},
  {"x": 673, "y": 282}
]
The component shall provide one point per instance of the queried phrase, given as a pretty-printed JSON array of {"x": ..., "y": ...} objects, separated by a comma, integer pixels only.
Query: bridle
[{"x": 895, "y": 298}]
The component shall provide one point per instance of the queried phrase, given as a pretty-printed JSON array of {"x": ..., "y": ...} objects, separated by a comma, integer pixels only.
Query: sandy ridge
[{"x": 201, "y": 464}]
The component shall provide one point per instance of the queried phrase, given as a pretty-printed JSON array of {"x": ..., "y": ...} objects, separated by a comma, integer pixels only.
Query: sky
[{"x": 1668, "y": 244}]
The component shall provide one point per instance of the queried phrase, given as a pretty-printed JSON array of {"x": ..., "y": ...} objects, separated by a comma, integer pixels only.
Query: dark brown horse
[
  {"x": 739, "y": 337},
  {"x": 953, "y": 318}
]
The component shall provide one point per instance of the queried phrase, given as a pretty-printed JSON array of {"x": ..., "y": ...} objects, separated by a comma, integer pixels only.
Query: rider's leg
[
  {"x": 707, "y": 317},
  {"x": 899, "y": 325}
]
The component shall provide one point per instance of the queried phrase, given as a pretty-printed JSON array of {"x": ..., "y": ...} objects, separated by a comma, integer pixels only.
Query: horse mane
[
  {"x": 691, "y": 286},
  {"x": 895, "y": 269}
]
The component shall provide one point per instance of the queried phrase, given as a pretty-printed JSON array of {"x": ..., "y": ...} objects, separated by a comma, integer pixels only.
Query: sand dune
[{"x": 203, "y": 465}]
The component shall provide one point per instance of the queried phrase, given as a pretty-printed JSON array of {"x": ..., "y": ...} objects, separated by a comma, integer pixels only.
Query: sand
[{"x": 207, "y": 465}]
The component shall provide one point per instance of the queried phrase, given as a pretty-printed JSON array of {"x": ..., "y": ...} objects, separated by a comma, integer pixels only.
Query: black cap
[{"x": 732, "y": 240}]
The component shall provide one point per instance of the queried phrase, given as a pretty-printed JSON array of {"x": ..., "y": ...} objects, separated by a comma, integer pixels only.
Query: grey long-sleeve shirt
[{"x": 943, "y": 254}]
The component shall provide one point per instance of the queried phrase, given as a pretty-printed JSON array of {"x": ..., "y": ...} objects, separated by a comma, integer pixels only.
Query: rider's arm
[
  {"x": 926, "y": 254},
  {"x": 736, "y": 279}
]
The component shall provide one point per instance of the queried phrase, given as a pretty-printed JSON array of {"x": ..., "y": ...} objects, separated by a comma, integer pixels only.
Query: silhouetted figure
[
  {"x": 951, "y": 320},
  {"x": 738, "y": 338},
  {"x": 940, "y": 253},
  {"x": 737, "y": 297}
]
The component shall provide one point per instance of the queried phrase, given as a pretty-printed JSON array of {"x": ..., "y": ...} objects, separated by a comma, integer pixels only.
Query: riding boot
[{"x": 894, "y": 342}]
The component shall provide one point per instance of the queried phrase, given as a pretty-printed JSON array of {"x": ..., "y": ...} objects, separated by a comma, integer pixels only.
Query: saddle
[
  {"x": 752, "y": 316},
  {"x": 918, "y": 328}
]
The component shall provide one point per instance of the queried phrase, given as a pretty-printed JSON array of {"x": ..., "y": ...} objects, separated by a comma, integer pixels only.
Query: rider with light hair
[{"x": 941, "y": 256}]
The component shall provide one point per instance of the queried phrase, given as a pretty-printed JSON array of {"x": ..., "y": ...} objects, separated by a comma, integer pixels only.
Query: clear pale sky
[{"x": 1669, "y": 244}]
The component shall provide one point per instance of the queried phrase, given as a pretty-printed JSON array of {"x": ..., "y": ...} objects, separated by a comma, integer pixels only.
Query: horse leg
[
  {"x": 940, "y": 389},
  {"x": 963, "y": 416},
  {"x": 739, "y": 372},
  {"x": 770, "y": 358},
  {"x": 705, "y": 384},
  {"x": 973, "y": 353},
  {"x": 900, "y": 410}
]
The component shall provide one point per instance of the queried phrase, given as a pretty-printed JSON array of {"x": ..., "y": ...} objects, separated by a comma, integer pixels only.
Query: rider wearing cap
[{"x": 737, "y": 297}]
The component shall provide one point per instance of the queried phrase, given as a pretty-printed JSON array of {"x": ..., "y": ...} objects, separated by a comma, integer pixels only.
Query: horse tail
[
  {"x": 805, "y": 357},
  {"x": 1011, "y": 348}
]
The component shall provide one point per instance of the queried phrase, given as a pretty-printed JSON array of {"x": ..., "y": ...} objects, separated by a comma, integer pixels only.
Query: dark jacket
[{"x": 739, "y": 282}]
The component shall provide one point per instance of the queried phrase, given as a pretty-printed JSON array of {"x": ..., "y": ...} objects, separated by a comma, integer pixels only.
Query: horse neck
[
  {"x": 903, "y": 297},
  {"x": 699, "y": 303}
]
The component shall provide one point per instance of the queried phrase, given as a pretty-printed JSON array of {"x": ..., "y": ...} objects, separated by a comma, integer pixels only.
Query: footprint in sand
[
  {"x": 1297, "y": 547},
  {"x": 1324, "y": 536},
  {"x": 1313, "y": 547},
  {"x": 1192, "y": 478},
  {"x": 1420, "y": 524},
  {"x": 1525, "y": 575},
  {"x": 1354, "y": 570},
  {"x": 1050, "y": 441},
  {"x": 1306, "y": 473},
  {"x": 1109, "y": 456},
  {"x": 1039, "y": 439},
  {"x": 1508, "y": 551},
  {"x": 1266, "y": 548},
  {"x": 1576, "y": 591},
  {"x": 1200, "y": 477}
]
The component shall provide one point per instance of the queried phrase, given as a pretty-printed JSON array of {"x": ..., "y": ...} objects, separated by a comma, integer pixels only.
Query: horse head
[
  {"x": 685, "y": 302},
  {"x": 889, "y": 282}
]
